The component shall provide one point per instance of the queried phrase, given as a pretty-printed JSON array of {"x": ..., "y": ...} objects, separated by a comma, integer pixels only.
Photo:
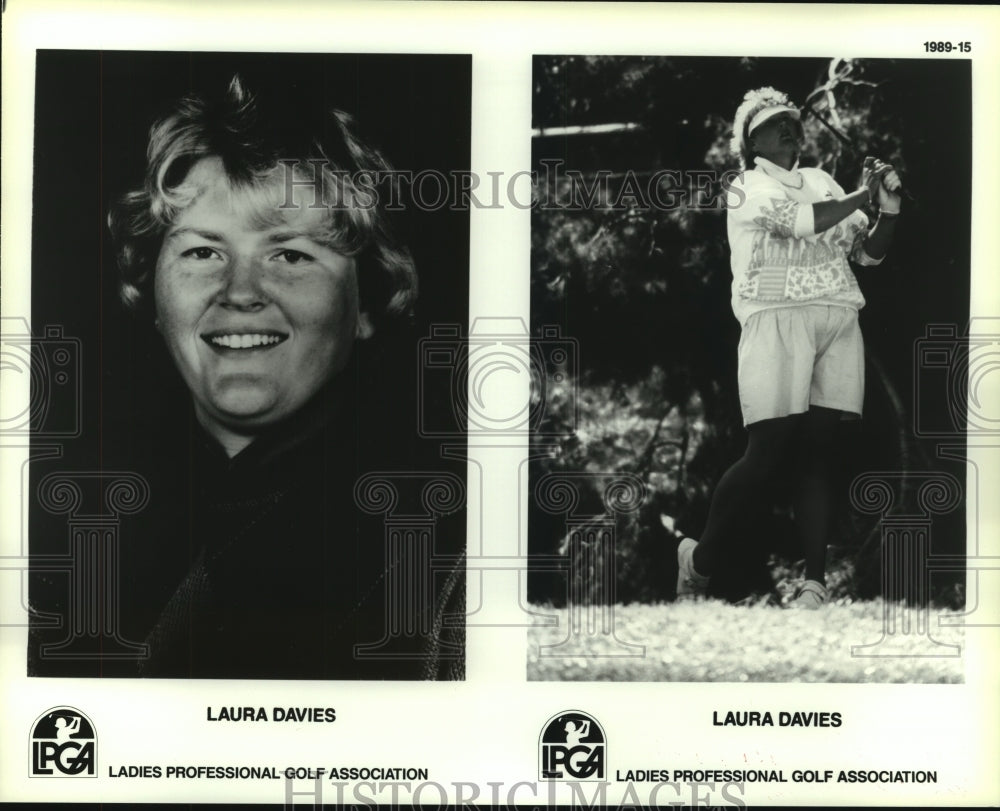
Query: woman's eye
[
  {"x": 294, "y": 257},
  {"x": 201, "y": 252}
]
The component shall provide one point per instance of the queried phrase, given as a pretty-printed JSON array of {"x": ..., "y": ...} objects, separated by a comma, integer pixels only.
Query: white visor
[{"x": 770, "y": 112}]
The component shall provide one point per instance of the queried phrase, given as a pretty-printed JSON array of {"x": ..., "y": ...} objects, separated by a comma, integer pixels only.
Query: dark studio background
[{"x": 92, "y": 117}]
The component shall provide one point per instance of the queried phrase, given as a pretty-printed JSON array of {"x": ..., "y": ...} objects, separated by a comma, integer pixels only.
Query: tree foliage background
[{"x": 643, "y": 289}]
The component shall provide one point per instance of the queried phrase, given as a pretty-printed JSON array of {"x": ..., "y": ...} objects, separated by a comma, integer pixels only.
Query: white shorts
[{"x": 793, "y": 357}]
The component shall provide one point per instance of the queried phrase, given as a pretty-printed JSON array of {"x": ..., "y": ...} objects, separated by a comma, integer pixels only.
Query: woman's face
[
  {"x": 256, "y": 312},
  {"x": 779, "y": 139}
]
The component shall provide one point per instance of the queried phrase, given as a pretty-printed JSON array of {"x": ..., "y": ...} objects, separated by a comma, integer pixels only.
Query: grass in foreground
[{"x": 714, "y": 641}]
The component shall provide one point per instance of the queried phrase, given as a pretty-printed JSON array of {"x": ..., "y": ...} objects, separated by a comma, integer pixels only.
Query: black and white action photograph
[
  {"x": 757, "y": 472},
  {"x": 231, "y": 274}
]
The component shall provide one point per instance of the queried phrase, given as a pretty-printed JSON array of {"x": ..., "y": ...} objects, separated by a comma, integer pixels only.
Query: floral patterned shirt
[{"x": 777, "y": 260}]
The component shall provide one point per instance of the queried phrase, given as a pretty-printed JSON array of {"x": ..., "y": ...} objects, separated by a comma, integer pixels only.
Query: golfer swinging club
[
  {"x": 575, "y": 734},
  {"x": 791, "y": 234}
]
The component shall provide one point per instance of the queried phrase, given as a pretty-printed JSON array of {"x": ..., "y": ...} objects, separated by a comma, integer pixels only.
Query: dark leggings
[{"x": 806, "y": 440}]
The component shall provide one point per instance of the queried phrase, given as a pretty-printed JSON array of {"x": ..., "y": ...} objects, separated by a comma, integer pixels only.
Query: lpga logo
[
  {"x": 572, "y": 747},
  {"x": 63, "y": 744}
]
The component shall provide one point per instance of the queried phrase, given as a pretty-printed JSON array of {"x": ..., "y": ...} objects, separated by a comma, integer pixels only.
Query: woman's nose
[{"x": 242, "y": 287}]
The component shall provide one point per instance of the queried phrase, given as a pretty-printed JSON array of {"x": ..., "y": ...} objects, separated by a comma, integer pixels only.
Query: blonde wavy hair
[{"x": 255, "y": 145}]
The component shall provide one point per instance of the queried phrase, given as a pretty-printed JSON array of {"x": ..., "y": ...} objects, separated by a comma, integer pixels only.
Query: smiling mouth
[{"x": 243, "y": 340}]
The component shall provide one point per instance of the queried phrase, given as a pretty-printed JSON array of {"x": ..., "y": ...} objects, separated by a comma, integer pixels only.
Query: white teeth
[{"x": 244, "y": 341}]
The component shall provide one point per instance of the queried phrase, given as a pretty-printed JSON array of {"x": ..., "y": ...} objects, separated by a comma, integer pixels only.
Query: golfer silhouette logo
[
  {"x": 63, "y": 744},
  {"x": 572, "y": 747}
]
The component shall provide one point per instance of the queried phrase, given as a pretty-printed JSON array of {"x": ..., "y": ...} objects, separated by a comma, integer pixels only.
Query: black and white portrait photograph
[
  {"x": 749, "y": 254},
  {"x": 234, "y": 273}
]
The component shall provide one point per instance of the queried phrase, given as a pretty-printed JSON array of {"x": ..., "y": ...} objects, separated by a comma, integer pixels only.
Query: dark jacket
[{"x": 263, "y": 565}]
